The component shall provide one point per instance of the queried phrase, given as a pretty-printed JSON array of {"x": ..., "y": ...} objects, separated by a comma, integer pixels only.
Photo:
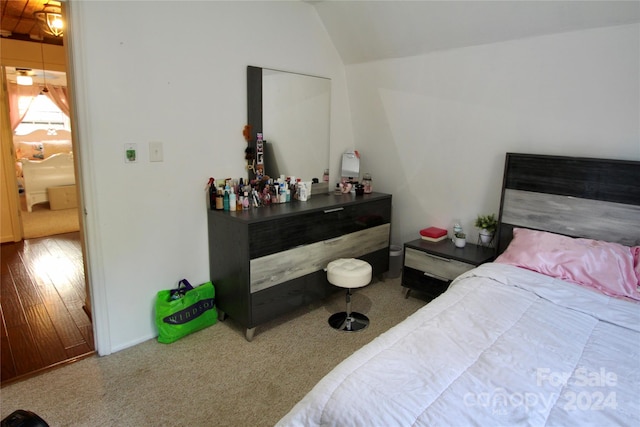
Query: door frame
[
  {"x": 10, "y": 181},
  {"x": 85, "y": 178}
]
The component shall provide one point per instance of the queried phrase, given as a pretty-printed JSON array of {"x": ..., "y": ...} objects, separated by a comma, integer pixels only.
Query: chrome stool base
[{"x": 343, "y": 322}]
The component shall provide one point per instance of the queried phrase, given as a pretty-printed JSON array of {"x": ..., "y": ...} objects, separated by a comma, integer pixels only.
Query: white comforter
[{"x": 503, "y": 346}]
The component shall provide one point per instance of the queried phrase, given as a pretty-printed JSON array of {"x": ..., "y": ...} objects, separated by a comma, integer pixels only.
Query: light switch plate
[
  {"x": 130, "y": 153},
  {"x": 155, "y": 151}
]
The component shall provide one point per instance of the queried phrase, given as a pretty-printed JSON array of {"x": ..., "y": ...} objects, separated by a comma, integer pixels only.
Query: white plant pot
[
  {"x": 460, "y": 242},
  {"x": 485, "y": 236}
]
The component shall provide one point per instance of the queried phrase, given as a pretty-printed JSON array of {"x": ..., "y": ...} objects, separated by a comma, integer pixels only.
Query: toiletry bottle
[
  {"x": 240, "y": 201},
  {"x": 302, "y": 193},
  {"x": 325, "y": 176},
  {"x": 211, "y": 194},
  {"x": 219, "y": 200},
  {"x": 266, "y": 196},
  {"x": 225, "y": 200},
  {"x": 245, "y": 201},
  {"x": 232, "y": 200},
  {"x": 367, "y": 182}
]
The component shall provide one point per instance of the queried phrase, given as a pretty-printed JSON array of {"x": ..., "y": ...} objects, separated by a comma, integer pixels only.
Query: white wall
[
  {"x": 434, "y": 129},
  {"x": 185, "y": 86}
]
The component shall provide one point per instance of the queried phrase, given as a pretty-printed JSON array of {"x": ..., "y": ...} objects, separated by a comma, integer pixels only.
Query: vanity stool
[{"x": 349, "y": 273}]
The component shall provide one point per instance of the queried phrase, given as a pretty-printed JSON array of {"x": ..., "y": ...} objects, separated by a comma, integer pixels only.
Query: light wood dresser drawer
[{"x": 435, "y": 266}]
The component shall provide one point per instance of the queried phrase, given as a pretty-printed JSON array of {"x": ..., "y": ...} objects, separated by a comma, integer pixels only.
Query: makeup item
[
  {"x": 219, "y": 200},
  {"x": 240, "y": 201},
  {"x": 245, "y": 201},
  {"x": 367, "y": 182},
  {"x": 302, "y": 192},
  {"x": 225, "y": 199},
  {"x": 211, "y": 194},
  {"x": 283, "y": 193},
  {"x": 325, "y": 176},
  {"x": 266, "y": 196},
  {"x": 232, "y": 201}
]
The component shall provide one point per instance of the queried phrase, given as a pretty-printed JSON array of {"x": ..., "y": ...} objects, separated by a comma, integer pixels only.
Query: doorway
[
  {"x": 43, "y": 146},
  {"x": 49, "y": 298}
]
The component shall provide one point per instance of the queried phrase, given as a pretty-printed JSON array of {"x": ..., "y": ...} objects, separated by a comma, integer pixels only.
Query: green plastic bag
[{"x": 182, "y": 311}]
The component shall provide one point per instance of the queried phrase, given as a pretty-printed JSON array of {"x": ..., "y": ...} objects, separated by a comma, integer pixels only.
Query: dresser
[
  {"x": 268, "y": 261},
  {"x": 430, "y": 267}
]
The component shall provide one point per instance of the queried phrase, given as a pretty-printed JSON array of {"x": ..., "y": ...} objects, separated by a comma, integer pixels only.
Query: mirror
[{"x": 292, "y": 111}]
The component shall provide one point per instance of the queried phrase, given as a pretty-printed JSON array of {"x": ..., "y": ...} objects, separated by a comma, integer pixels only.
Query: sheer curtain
[
  {"x": 15, "y": 91},
  {"x": 58, "y": 94}
]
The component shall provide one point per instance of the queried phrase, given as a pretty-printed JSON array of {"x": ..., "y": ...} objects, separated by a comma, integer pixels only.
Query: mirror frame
[{"x": 254, "y": 108}]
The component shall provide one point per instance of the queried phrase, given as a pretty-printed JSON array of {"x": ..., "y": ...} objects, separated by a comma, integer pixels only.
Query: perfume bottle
[{"x": 367, "y": 182}]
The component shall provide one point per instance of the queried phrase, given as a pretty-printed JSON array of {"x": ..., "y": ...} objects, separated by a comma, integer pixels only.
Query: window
[{"x": 42, "y": 114}]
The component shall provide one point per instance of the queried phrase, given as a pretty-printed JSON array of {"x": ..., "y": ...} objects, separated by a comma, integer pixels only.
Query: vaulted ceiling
[{"x": 368, "y": 30}]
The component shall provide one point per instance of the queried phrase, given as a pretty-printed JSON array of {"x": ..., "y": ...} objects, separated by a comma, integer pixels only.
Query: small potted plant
[
  {"x": 488, "y": 224},
  {"x": 460, "y": 239}
]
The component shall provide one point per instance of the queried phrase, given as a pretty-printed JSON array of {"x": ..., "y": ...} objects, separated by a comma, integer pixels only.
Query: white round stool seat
[{"x": 349, "y": 273}]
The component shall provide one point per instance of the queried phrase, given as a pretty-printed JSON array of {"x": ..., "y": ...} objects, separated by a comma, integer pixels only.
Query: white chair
[{"x": 349, "y": 273}]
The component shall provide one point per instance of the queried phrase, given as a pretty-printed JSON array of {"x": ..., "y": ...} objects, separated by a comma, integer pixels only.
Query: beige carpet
[
  {"x": 45, "y": 222},
  {"x": 213, "y": 377}
]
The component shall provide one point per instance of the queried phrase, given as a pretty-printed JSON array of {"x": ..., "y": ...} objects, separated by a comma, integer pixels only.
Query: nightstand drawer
[
  {"x": 416, "y": 279},
  {"x": 432, "y": 265}
]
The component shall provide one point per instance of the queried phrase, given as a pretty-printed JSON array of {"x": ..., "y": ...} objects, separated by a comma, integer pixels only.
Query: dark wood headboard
[{"x": 578, "y": 197}]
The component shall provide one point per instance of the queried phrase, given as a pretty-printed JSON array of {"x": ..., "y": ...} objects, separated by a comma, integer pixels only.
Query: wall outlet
[{"x": 130, "y": 153}]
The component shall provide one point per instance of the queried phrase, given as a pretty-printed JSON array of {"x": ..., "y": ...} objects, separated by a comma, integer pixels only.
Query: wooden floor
[{"x": 42, "y": 295}]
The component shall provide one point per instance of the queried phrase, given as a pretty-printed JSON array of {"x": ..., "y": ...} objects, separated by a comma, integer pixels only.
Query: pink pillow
[
  {"x": 608, "y": 267},
  {"x": 636, "y": 261}
]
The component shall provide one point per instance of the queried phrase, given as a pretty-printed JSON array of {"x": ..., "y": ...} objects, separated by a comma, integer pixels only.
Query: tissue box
[{"x": 63, "y": 197}]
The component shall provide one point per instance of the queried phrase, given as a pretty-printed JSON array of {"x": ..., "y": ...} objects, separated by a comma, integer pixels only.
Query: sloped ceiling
[{"x": 367, "y": 30}]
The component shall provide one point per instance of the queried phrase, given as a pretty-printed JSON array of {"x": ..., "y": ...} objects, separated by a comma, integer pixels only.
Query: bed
[
  {"x": 44, "y": 160},
  {"x": 548, "y": 334}
]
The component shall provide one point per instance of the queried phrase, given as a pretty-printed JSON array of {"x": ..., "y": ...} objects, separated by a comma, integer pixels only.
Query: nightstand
[{"x": 429, "y": 267}]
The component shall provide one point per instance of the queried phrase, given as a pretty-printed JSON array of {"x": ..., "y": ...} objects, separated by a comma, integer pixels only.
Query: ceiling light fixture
[
  {"x": 23, "y": 77},
  {"x": 50, "y": 19}
]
